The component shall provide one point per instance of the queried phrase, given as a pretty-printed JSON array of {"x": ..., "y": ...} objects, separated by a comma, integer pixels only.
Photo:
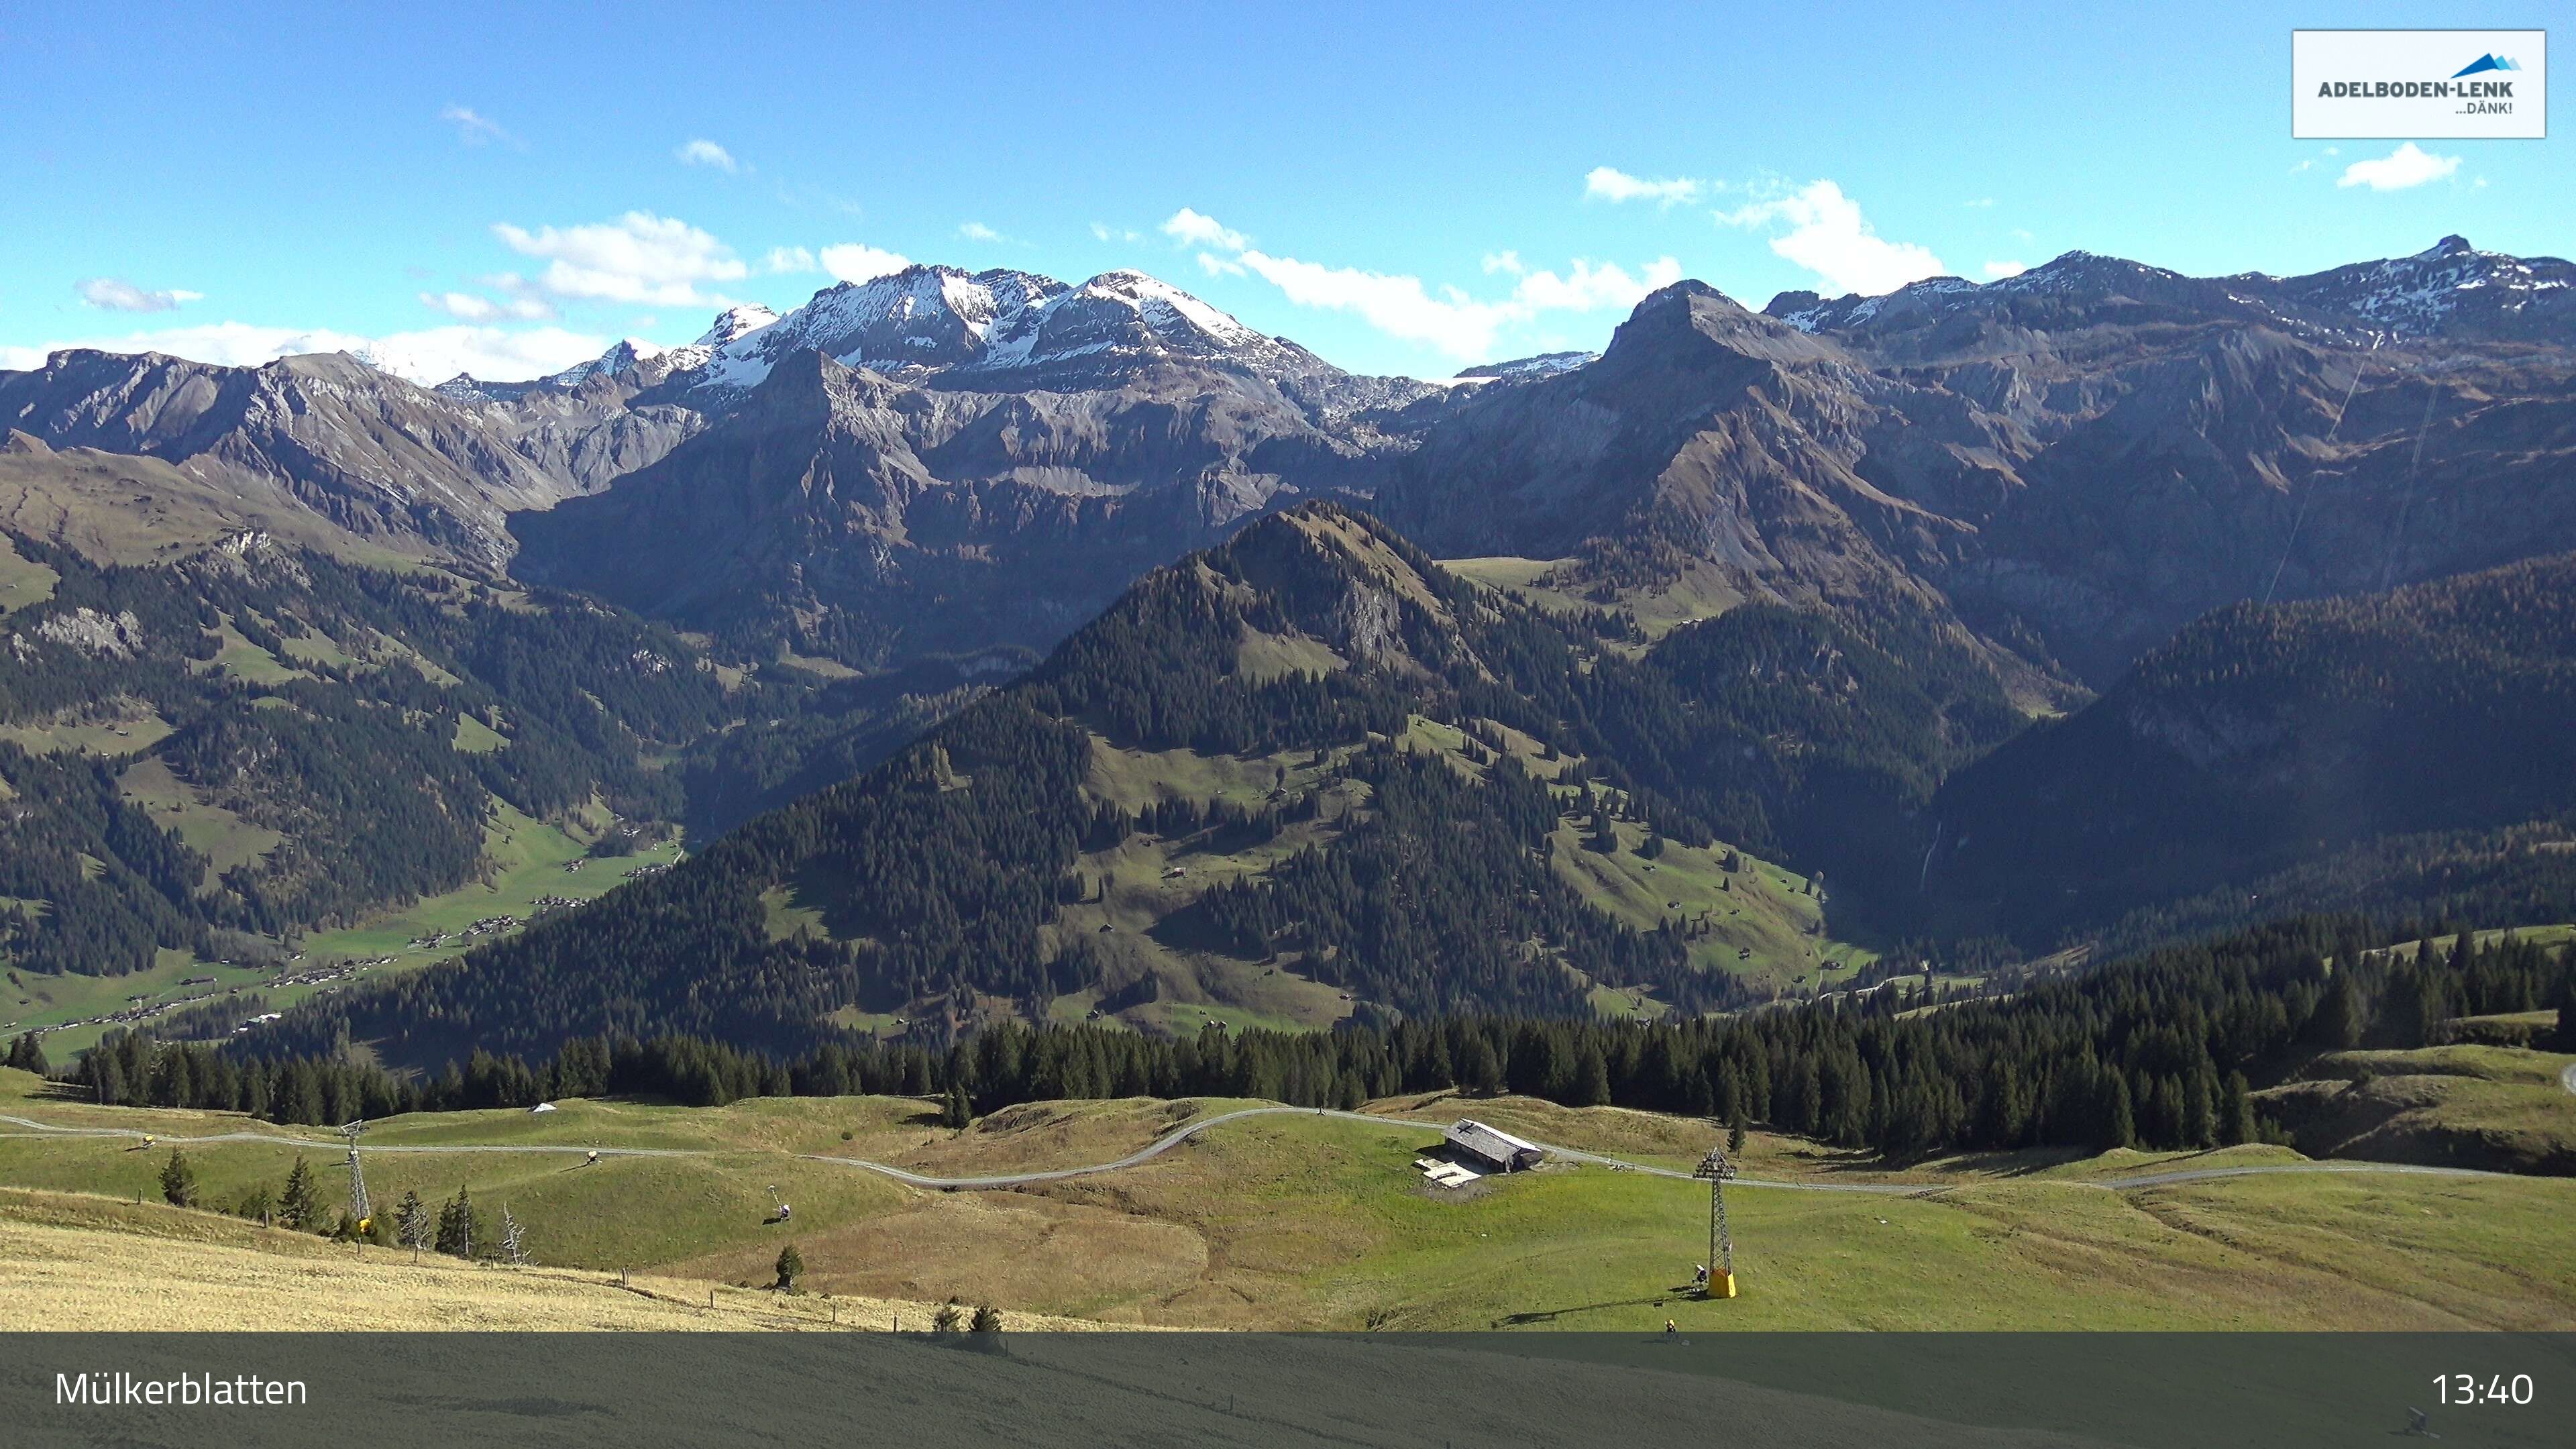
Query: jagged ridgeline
[
  {"x": 262, "y": 739},
  {"x": 1311, "y": 760}
]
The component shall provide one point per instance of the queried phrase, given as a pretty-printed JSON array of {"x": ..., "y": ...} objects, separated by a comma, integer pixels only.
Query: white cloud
[
  {"x": 1828, "y": 236},
  {"x": 1191, "y": 229},
  {"x": 640, "y": 257},
  {"x": 703, "y": 152},
  {"x": 115, "y": 294},
  {"x": 853, "y": 262},
  {"x": 1982, "y": 203},
  {"x": 1611, "y": 184},
  {"x": 474, "y": 129},
  {"x": 471, "y": 307},
  {"x": 426, "y": 356},
  {"x": 1997, "y": 271},
  {"x": 464, "y": 306},
  {"x": 1103, "y": 231},
  {"x": 978, "y": 231},
  {"x": 2408, "y": 165},
  {"x": 789, "y": 259},
  {"x": 1452, "y": 322},
  {"x": 1587, "y": 288}
]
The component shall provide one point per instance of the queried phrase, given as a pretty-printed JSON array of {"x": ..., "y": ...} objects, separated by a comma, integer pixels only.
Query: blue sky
[{"x": 1403, "y": 188}]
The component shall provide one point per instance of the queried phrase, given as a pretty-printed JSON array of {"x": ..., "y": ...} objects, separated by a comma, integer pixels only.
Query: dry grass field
[{"x": 75, "y": 1260}]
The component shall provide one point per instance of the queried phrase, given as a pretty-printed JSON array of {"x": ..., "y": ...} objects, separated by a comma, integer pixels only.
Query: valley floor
[{"x": 1290, "y": 1221}]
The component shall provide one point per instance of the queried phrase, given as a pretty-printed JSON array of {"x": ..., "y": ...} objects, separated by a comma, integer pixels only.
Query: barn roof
[{"x": 1490, "y": 1143}]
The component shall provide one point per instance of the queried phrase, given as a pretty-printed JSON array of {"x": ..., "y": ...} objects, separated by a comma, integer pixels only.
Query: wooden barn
[{"x": 1492, "y": 1148}]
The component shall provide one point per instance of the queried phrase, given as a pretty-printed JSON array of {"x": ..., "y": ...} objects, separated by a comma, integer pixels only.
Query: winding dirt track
[{"x": 1175, "y": 1138}]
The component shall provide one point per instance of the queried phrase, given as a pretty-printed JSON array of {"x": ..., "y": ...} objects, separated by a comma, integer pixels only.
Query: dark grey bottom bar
[{"x": 384, "y": 1391}]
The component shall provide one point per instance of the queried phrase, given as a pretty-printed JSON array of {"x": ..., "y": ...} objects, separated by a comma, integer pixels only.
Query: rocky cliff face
[
  {"x": 2075, "y": 461},
  {"x": 870, "y": 520},
  {"x": 413, "y": 469}
]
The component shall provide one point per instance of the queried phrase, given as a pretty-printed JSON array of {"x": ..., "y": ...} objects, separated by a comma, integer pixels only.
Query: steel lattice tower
[
  {"x": 1721, "y": 1244},
  {"x": 358, "y": 1208}
]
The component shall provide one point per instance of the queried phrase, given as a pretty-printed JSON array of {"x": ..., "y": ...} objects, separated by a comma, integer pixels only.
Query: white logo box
[{"x": 2396, "y": 85}]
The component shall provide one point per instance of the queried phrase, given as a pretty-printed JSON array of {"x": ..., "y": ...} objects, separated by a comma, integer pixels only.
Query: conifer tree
[
  {"x": 412, "y": 1223},
  {"x": 1592, "y": 1079},
  {"x": 27, "y": 1054},
  {"x": 300, "y": 1205},
  {"x": 790, "y": 1264},
  {"x": 2236, "y": 1114},
  {"x": 179, "y": 1180},
  {"x": 2119, "y": 1119}
]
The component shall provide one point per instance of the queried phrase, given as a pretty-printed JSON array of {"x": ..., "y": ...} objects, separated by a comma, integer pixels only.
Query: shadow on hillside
[{"x": 1550, "y": 1315}]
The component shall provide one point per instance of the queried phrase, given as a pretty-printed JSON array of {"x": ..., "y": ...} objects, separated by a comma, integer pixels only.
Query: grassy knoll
[
  {"x": 2459, "y": 1106},
  {"x": 1297, "y": 1221},
  {"x": 236, "y": 656},
  {"x": 1557, "y": 585},
  {"x": 223, "y": 837},
  {"x": 1763, "y": 921},
  {"x": 474, "y": 737},
  {"x": 111, "y": 727},
  {"x": 23, "y": 581}
]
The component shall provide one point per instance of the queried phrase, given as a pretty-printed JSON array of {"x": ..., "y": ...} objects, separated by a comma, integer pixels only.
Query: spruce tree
[
  {"x": 1735, "y": 1134},
  {"x": 412, "y": 1223},
  {"x": 179, "y": 1180},
  {"x": 299, "y": 1206},
  {"x": 790, "y": 1263},
  {"x": 1592, "y": 1079},
  {"x": 2119, "y": 1120},
  {"x": 27, "y": 1054},
  {"x": 2236, "y": 1114}
]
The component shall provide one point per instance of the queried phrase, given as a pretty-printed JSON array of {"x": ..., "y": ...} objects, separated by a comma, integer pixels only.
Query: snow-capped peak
[
  {"x": 735, "y": 323},
  {"x": 942, "y": 319}
]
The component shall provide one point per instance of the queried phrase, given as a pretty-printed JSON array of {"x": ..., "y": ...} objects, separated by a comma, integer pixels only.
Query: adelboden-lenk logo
[
  {"x": 2404, "y": 84},
  {"x": 2485, "y": 63}
]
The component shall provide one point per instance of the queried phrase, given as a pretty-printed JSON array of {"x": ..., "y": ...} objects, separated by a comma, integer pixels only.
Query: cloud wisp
[
  {"x": 1826, "y": 234},
  {"x": 858, "y": 262},
  {"x": 475, "y": 129},
  {"x": 639, "y": 257},
  {"x": 1445, "y": 319},
  {"x": 2408, "y": 165},
  {"x": 1609, "y": 183},
  {"x": 115, "y": 294},
  {"x": 703, "y": 152}
]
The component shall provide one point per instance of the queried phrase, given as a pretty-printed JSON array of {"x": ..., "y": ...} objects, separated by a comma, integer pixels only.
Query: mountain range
[{"x": 1786, "y": 587}]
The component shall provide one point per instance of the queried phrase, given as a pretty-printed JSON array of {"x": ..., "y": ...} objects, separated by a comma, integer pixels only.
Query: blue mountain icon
[{"x": 2484, "y": 63}]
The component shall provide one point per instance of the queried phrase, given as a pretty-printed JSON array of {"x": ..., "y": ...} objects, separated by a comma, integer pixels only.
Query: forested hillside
[
  {"x": 2164, "y": 1050},
  {"x": 2381, "y": 750},
  {"x": 1308, "y": 774},
  {"x": 260, "y": 739}
]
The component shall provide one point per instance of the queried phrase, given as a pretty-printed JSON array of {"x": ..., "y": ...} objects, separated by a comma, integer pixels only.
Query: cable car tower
[
  {"x": 1717, "y": 1168},
  {"x": 358, "y": 1210}
]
